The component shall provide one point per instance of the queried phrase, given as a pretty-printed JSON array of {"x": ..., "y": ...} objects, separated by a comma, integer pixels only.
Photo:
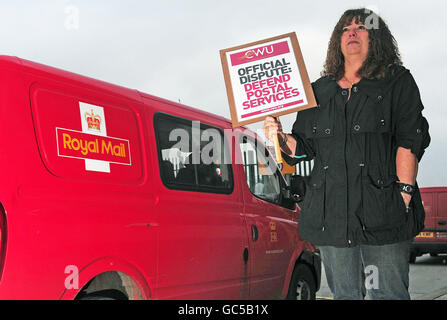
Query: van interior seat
[{"x": 167, "y": 169}]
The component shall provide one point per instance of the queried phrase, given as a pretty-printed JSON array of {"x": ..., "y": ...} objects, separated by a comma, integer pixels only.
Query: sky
[{"x": 170, "y": 48}]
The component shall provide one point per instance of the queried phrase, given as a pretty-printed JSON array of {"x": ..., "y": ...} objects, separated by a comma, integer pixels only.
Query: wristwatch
[{"x": 406, "y": 188}]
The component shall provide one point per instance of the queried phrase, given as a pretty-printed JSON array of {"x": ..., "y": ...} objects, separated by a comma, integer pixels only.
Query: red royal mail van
[
  {"x": 433, "y": 239},
  {"x": 109, "y": 193}
]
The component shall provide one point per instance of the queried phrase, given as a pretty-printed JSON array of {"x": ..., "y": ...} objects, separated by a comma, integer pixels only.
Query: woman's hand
[
  {"x": 407, "y": 199},
  {"x": 271, "y": 127},
  {"x": 406, "y": 169}
]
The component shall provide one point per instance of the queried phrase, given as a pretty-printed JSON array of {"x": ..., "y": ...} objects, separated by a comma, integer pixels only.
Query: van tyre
[
  {"x": 104, "y": 295},
  {"x": 302, "y": 285},
  {"x": 94, "y": 297},
  {"x": 412, "y": 258}
]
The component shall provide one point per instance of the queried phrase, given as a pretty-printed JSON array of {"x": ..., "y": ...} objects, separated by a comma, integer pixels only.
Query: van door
[
  {"x": 441, "y": 215},
  {"x": 202, "y": 238},
  {"x": 272, "y": 228},
  {"x": 428, "y": 200}
]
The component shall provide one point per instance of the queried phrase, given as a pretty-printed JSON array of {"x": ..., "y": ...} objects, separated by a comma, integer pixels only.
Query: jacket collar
[
  {"x": 377, "y": 88},
  {"x": 326, "y": 87}
]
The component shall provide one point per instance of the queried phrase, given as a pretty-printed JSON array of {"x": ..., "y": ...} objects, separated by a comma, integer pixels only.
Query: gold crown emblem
[{"x": 93, "y": 121}]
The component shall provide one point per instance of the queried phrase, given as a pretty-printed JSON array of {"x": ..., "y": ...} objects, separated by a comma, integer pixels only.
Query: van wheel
[
  {"x": 412, "y": 257},
  {"x": 302, "y": 285},
  {"x": 104, "y": 295},
  {"x": 94, "y": 297}
]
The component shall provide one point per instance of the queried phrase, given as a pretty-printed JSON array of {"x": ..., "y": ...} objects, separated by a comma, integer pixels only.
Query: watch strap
[{"x": 406, "y": 188}]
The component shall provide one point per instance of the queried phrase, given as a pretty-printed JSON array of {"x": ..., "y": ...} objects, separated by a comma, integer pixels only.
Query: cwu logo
[{"x": 259, "y": 52}]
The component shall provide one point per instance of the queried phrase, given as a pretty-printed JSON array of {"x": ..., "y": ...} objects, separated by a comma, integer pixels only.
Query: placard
[{"x": 266, "y": 77}]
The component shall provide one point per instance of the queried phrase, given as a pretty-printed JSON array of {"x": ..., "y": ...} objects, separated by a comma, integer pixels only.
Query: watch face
[{"x": 407, "y": 188}]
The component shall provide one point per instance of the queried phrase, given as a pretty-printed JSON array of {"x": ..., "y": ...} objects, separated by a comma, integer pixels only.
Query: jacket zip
[
  {"x": 324, "y": 198},
  {"x": 362, "y": 167},
  {"x": 325, "y": 167},
  {"x": 346, "y": 173}
]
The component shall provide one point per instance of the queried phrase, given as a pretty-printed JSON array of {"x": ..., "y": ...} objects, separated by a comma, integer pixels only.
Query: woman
[{"x": 366, "y": 137}]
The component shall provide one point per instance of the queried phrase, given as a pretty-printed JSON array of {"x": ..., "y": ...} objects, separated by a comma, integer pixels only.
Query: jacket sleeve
[
  {"x": 411, "y": 126},
  {"x": 304, "y": 147}
]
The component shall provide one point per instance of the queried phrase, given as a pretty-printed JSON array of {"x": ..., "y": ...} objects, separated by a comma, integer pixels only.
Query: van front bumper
[{"x": 423, "y": 247}]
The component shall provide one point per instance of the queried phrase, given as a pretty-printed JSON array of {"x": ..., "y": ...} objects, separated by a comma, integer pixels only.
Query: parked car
[
  {"x": 433, "y": 239},
  {"x": 106, "y": 194}
]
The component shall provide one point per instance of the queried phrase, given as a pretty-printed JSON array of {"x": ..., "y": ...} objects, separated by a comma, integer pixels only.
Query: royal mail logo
[
  {"x": 259, "y": 53},
  {"x": 93, "y": 121},
  {"x": 80, "y": 145}
]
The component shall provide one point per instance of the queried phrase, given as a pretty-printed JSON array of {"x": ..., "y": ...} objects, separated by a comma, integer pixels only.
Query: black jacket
[{"x": 352, "y": 196}]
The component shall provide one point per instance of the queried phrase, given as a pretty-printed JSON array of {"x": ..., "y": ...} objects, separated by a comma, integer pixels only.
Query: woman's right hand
[{"x": 271, "y": 127}]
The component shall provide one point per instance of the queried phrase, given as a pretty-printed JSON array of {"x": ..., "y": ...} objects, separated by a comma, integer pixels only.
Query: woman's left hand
[{"x": 407, "y": 199}]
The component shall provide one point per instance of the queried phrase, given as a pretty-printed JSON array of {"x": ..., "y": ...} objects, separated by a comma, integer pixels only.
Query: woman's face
[{"x": 355, "y": 40}]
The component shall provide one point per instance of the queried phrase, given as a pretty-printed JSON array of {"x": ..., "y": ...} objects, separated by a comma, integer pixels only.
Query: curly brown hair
[{"x": 382, "y": 52}]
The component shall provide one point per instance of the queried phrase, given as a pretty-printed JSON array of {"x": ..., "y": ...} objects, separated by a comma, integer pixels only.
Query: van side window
[
  {"x": 260, "y": 170},
  {"x": 192, "y": 155}
]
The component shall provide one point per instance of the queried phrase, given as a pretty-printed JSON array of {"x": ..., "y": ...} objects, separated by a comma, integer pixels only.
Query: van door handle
[
  {"x": 442, "y": 222},
  {"x": 245, "y": 255},
  {"x": 254, "y": 233}
]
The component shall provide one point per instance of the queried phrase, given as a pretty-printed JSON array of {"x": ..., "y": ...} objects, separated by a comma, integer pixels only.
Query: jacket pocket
[
  {"x": 373, "y": 115},
  {"x": 382, "y": 204},
  {"x": 314, "y": 206},
  {"x": 321, "y": 124},
  {"x": 373, "y": 131}
]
